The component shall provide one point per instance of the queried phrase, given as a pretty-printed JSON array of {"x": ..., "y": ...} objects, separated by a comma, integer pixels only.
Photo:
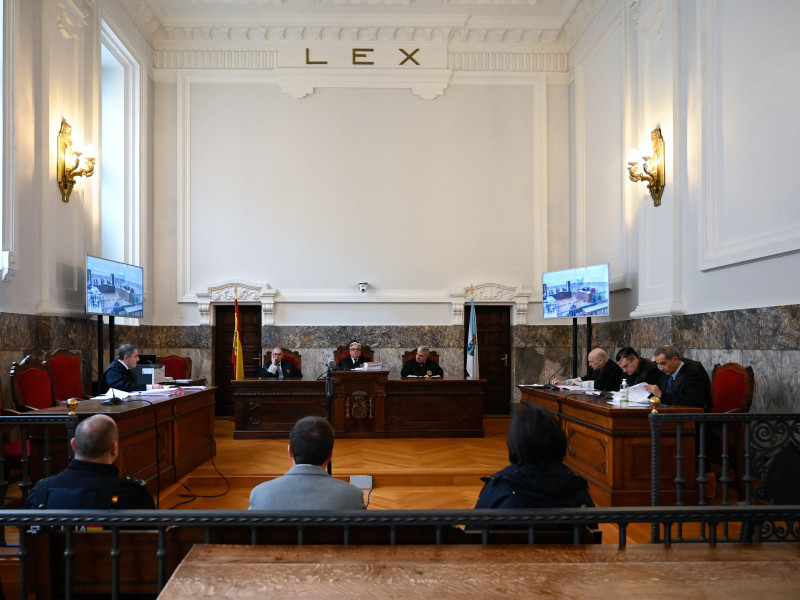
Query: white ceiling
[{"x": 533, "y": 20}]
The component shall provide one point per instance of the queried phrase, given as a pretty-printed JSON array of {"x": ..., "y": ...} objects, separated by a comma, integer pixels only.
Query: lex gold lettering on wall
[{"x": 418, "y": 66}]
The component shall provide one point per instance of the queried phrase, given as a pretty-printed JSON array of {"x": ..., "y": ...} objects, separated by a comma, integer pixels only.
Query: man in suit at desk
[
  {"x": 278, "y": 368},
  {"x": 684, "y": 382},
  {"x": 421, "y": 365},
  {"x": 354, "y": 361},
  {"x": 637, "y": 369},
  {"x": 605, "y": 373},
  {"x": 118, "y": 374},
  {"x": 307, "y": 485}
]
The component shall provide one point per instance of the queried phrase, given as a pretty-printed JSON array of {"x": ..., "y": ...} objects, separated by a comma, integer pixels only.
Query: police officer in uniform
[{"x": 92, "y": 479}]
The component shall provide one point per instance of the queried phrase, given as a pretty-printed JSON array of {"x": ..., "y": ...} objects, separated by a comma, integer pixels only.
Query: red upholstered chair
[
  {"x": 344, "y": 351},
  {"x": 31, "y": 384},
  {"x": 67, "y": 374},
  {"x": 732, "y": 387},
  {"x": 292, "y": 357},
  {"x": 177, "y": 367}
]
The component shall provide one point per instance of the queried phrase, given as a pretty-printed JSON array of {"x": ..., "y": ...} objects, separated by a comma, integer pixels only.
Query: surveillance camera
[{"x": 362, "y": 286}]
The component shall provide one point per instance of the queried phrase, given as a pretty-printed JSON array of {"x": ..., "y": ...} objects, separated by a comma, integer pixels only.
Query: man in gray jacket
[{"x": 307, "y": 485}]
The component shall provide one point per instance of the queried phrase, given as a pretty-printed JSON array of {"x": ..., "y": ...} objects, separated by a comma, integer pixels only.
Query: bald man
[
  {"x": 92, "y": 479},
  {"x": 605, "y": 373}
]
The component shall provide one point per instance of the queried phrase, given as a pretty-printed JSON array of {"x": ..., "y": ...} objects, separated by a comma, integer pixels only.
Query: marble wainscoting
[
  {"x": 768, "y": 339},
  {"x": 36, "y": 335},
  {"x": 193, "y": 342}
]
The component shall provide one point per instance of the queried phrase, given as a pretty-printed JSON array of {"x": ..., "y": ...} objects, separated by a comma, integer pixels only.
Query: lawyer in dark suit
[
  {"x": 421, "y": 365},
  {"x": 637, "y": 369},
  {"x": 605, "y": 373},
  {"x": 118, "y": 374},
  {"x": 684, "y": 382},
  {"x": 278, "y": 368},
  {"x": 355, "y": 360}
]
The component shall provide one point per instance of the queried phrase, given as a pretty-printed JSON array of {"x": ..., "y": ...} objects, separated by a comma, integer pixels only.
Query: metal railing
[
  {"x": 265, "y": 527},
  {"x": 761, "y": 438},
  {"x": 25, "y": 426}
]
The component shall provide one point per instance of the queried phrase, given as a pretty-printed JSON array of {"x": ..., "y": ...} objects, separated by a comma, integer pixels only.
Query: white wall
[
  {"x": 718, "y": 78},
  {"x": 743, "y": 85},
  {"x": 417, "y": 197}
]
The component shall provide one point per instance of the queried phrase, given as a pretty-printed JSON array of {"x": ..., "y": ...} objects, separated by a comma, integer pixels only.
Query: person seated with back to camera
[
  {"x": 307, "y": 485},
  {"x": 537, "y": 476},
  {"x": 605, "y": 373},
  {"x": 421, "y": 365},
  {"x": 354, "y": 360},
  {"x": 92, "y": 480},
  {"x": 637, "y": 369},
  {"x": 279, "y": 368},
  {"x": 118, "y": 374}
]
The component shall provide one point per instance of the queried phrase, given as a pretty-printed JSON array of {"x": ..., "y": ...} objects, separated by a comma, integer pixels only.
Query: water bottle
[{"x": 623, "y": 392}]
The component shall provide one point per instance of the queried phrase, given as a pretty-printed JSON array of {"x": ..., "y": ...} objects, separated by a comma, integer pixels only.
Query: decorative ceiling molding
[
  {"x": 258, "y": 22},
  {"x": 517, "y": 62},
  {"x": 492, "y": 293},
  {"x": 253, "y": 59},
  {"x": 649, "y": 17},
  {"x": 71, "y": 17},
  {"x": 427, "y": 84},
  {"x": 247, "y": 293},
  {"x": 235, "y": 1},
  {"x": 267, "y": 59},
  {"x": 305, "y": 33},
  {"x": 491, "y": 2},
  {"x": 368, "y": 2}
]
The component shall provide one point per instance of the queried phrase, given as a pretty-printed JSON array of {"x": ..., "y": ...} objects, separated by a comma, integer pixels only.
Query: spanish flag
[{"x": 238, "y": 356}]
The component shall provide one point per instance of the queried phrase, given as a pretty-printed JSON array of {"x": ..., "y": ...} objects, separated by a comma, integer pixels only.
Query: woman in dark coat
[{"x": 537, "y": 476}]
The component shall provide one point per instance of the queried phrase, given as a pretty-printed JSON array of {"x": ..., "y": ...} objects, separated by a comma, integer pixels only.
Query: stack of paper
[{"x": 373, "y": 366}]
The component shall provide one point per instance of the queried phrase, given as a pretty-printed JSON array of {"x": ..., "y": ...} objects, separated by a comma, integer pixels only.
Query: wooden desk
[
  {"x": 610, "y": 447},
  {"x": 180, "y": 427},
  {"x": 570, "y": 572},
  {"x": 365, "y": 404}
]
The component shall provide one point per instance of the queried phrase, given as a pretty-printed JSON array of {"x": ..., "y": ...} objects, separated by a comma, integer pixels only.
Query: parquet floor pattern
[
  {"x": 415, "y": 473},
  {"x": 411, "y": 473}
]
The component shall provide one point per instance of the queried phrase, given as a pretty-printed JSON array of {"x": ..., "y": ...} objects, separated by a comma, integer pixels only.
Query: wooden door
[
  {"x": 494, "y": 355},
  {"x": 250, "y": 315}
]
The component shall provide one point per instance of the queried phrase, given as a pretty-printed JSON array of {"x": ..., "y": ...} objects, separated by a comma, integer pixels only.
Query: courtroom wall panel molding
[
  {"x": 492, "y": 293},
  {"x": 225, "y": 293}
]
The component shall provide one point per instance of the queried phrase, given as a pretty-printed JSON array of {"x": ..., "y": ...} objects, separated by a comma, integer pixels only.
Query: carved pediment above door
[
  {"x": 226, "y": 293},
  {"x": 492, "y": 293}
]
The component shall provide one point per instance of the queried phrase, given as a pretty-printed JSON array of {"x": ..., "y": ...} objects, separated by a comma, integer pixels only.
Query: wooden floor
[
  {"x": 406, "y": 473},
  {"x": 414, "y": 474}
]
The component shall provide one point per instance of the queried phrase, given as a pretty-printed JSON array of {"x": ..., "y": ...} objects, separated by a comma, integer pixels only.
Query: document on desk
[{"x": 638, "y": 397}]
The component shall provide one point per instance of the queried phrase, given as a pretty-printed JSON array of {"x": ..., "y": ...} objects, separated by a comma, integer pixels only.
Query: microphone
[
  {"x": 332, "y": 365},
  {"x": 550, "y": 386}
]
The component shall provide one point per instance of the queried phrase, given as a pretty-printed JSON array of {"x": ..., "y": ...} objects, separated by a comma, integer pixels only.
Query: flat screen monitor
[
  {"x": 579, "y": 292},
  {"x": 148, "y": 359},
  {"x": 114, "y": 288}
]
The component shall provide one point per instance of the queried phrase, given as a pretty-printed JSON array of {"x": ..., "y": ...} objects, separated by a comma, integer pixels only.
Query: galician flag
[
  {"x": 238, "y": 356},
  {"x": 472, "y": 341}
]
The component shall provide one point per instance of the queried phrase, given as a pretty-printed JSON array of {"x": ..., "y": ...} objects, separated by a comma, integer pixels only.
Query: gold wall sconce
[
  {"x": 70, "y": 163},
  {"x": 650, "y": 169}
]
